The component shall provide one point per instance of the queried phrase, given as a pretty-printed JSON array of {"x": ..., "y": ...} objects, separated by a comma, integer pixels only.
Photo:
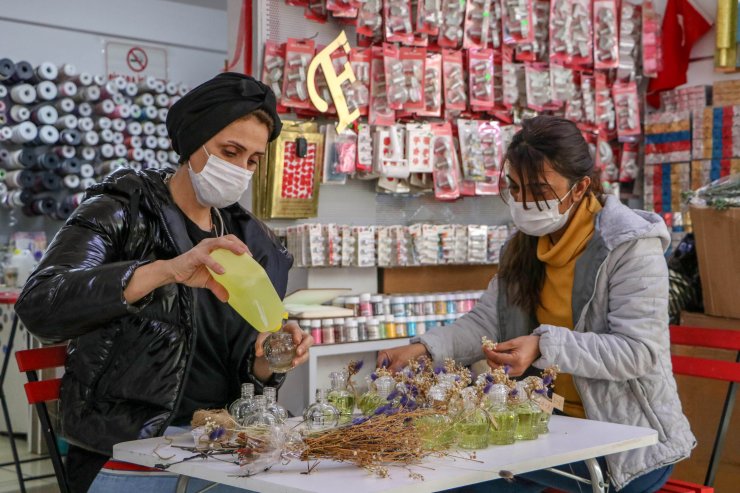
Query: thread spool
[
  {"x": 65, "y": 105},
  {"x": 103, "y": 123},
  {"x": 122, "y": 111},
  {"x": 84, "y": 109},
  {"x": 48, "y": 181},
  {"x": 132, "y": 141},
  {"x": 5, "y": 134},
  {"x": 148, "y": 128},
  {"x": 66, "y": 121},
  {"x": 163, "y": 143},
  {"x": 105, "y": 107},
  {"x": 7, "y": 69},
  {"x": 19, "y": 198},
  {"x": 24, "y": 132},
  {"x": 23, "y": 94},
  {"x": 18, "y": 159},
  {"x": 118, "y": 125},
  {"x": 44, "y": 115},
  {"x": 71, "y": 182},
  {"x": 108, "y": 90},
  {"x": 174, "y": 157},
  {"x": 162, "y": 100},
  {"x": 88, "y": 94},
  {"x": 21, "y": 178},
  {"x": 47, "y": 135},
  {"x": 150, "y": 155},
  {"x": 134, "y": 128},
  {"x": 131, "y": 90},
  {"x": 19, "y": 113},
  {"x": 120, "y": 150},
  {"x": 106, "y": 135},
  {"x": 3, "y": 91},
  {"x": 70, "y": 166},
  {"x": 88, "y": 153},
  {"x": 108, "y": 167},
  {"x": 162, "y": 156},
  {"x": 46, "y": 91},
  {"x": 118, "y": 138},
  {"x": 23, "y": 72},
  {"x": 162, "y": 115},
  {"x": 85, "y": 124},
  {"x": 70, "y": 137},
  {"x": 87, "y": 170},
  {"x": 150, "y": 142},
  {"x": 41, "y": 206},
  {"x": 107, "y": 151},
  {"x": 48, "y": 161},
  {"x": 145, "y": 99},
  {"x": 67, "y": 89},
  {"x": 87, "y": 183},
  {"x": 136, "y": 154},
  {"x": 64, "y": 210},
  {"x": 76, "y": 199},
  {"x": 99, "y": 79},
  {"x": 3, "y": 188},
  {"x": 65, "y": 151},
  {"x": 47, "y": 71},
  {"x": 149, "y": 112},
  {"x": 82, "y": 79},
  {"x": 135, "y": 111},
  {"x": 67, "y": 71},
  {"x": 162, "y": 130},
  {"x": 148, "y": 83}
]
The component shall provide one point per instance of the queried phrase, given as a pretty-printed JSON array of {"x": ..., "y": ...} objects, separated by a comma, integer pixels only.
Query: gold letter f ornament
[{"x": 333, "y": 81}]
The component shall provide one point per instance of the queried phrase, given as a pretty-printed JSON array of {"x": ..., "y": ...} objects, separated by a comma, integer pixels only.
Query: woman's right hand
[
  {"x": 397, "y": 358},
  {"x": 190, "y": 268}
]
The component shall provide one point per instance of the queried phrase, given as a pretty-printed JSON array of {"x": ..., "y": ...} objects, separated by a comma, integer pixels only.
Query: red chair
[
  {"x": 39, "y": 392},
  {"x": 707, "y": 368}
]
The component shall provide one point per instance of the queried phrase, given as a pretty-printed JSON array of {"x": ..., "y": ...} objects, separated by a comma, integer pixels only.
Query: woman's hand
[
  {"x": 302, "y": 342},
  {"x": 190, "y": 268},
  {"x": 519, "y": 353},
  {"x": 397, "y": 358}
]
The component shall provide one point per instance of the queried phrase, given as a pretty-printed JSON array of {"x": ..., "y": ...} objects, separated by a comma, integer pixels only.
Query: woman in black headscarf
[{"x": 125, "y": 281}]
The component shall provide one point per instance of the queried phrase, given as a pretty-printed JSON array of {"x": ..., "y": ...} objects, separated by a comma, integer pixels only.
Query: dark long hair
[{"x": 560, "y": 143}]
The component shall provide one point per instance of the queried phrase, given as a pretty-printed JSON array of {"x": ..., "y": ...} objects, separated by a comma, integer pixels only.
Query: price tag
[
  {"x": 544, "y": 403},
  {"x": 558, "y": 401}
]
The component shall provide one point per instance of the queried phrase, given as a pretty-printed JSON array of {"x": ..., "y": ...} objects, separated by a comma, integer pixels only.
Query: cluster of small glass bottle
[
  {"x": 257, "y": 410},
  {"x": 378, "y": 316}
]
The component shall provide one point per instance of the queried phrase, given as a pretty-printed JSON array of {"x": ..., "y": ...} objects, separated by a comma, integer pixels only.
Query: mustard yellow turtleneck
[{"x": 557, "y": 290}]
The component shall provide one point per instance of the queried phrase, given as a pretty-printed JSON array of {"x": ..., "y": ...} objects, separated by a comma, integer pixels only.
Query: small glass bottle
[
  {"x": 279, "y": 411},
  {"x": 528, "y": 414},
  {"x": 260, "y": 416},
  {"x": 351, "y": 330},
  {"x": 400, "y": 326},
  {"x": 461, "y": 306},
  {"x": 339, "y": 330},
  {"x": 390, "y": 327},
  {"x": 421, "y": 326},
  {"x": 378, "y": 305},
  {"x": 386, "y": 306},
  {"x": 373, "y": 329},
  {"x": 321, "y": 415},
  {"x": 362, "y": 329},
  {"x": 280, "y": 350},
  {"x": 327, "y": 331},
  {"x": 411, "y": 325},
  {"x": 418, "y": 305},
  {"x": 440, "y": 305},
  {"x": 377, "y": 395},
  {"x": 316, "y": 331},
  {"x": 429, "y": 305},
  {"x": 398, "y": 306},
  {"x": 339, "y": 396},
  {"x": 436, "y": 430},
  {"x": 243, "y": 404},
  {"x": 505, "y": 420},
  {"x": 410, "y": 306},
  {"x": 472, "y": 426},
  {"x": 451, "y": 303},
  {"x": 353, "y": 303},
  {"x": 366, "y": 307}
]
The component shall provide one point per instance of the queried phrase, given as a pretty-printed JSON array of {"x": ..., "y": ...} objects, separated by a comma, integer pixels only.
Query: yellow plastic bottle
[{"x": 251, "y": 293}]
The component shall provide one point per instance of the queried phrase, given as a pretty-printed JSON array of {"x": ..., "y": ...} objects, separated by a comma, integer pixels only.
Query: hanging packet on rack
[
  {"x": 446, "y": 165},
  {"x": 477, "y": 18},
  {"x": 432, "y": 86},
  {"x": 606, "y": 35},
  {"x": 389, "y": 152},
  {"x": 454, "y": 80},
  {"x": 514, "y": 84},
  {"x": 516, "y": 19},
  {"x": 341, "y": 9},
  {"x": 539, "y": 95},
  {"x": 480, "y": 73},
  {"x": 395, "y": 78},
  {"x": 370, "y": 19},
  {"x": 453, "y": 18},
  {"x": 331, "y": 174},
  {"x": 298, "y": 55},
  {"x": 605, "y": 114},
  {"x": 316, "y": 11},
  {"x": 562, "y": 85},
  {"x": 413, "y": 60},
  {"x": 537, "y": 50},
  {"x": 581, "y": 33},
  {"x": 418, "y": 140},
  {"x": 629, "y": 41},
  {"x": 652, "y": 56},
  {"x": 364, "y": 149},
  {"x": 471, "y": 150},
  {"x": 429, "y": 17},
  {"x": 628, "y": 168},
  {"x": 272, "y": 69},
  {"x": 380, "y": 111},
  {"x": 627, "y": 104},
  {"x": 358, "y": 94},
  {"x": 398, "y": 25},
  {"x": 494, "y": 34}
]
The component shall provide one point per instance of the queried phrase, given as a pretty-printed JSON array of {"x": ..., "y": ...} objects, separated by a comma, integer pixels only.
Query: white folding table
[{"x": 569, "y": 440}]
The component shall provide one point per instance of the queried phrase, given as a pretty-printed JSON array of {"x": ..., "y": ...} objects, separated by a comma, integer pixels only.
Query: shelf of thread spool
[{"x": 62, "y": 131}]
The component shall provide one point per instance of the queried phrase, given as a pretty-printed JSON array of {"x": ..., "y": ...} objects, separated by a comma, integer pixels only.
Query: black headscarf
[{"x": 210, "y": 107}]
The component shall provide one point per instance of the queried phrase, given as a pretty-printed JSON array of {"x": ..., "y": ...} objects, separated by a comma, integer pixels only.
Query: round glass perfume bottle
[
  {"x": 279, "y": 411},
  {"x": 339, "y": 396},
  {"x": 243, "y": 403},
  {"x": 377, "y": 395},
  {"x": 260, "y": 416},
  {"x": 528, "y": 414},
  {"x": 279, "y": 350},
  {"x": 321, "y": 415},
  {"x": 436, "y": 430},
  {"x": 505, "y": 420},
  {"x": 472, "y": 425}
]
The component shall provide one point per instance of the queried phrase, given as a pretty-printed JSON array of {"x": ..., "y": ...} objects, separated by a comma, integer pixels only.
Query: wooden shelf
[{"x": 435, "y": 278}]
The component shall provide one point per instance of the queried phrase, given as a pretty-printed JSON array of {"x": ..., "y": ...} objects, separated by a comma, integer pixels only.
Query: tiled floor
[{"x": 8, "y": 478}]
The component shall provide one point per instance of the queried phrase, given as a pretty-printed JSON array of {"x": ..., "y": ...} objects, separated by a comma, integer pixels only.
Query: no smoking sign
[{"x": 135, "y": 61}]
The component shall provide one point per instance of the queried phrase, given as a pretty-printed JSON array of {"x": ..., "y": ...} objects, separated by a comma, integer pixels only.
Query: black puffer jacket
[{"x": 126, "y": 364}]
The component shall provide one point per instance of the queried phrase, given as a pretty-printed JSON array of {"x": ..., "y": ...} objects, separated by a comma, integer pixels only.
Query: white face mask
[
  {"x": 535, "y": 222},
  {"x": 220, "y": 183}
]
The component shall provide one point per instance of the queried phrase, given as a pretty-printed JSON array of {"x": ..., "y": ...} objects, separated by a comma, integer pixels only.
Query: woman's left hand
[
  {"x": 301, "y": 340},
  {"x": 519, "y": 353}
]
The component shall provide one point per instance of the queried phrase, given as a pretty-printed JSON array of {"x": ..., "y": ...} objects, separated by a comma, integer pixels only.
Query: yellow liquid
[{"x": 251, "y": 293}]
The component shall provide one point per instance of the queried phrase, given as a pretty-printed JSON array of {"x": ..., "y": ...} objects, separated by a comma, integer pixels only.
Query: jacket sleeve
[
  {"x": 79, "y": 282},
  {"x": 462, "y": 340},
  {"x": 637, "y": 321}
]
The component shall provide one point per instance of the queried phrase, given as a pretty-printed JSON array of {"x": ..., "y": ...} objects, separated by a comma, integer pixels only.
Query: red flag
[{"x": 683, "y": 24}]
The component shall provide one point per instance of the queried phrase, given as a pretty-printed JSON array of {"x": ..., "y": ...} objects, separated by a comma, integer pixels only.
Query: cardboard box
[
  {"x": 691, "y": 319},
  {"x": 717, "y": 236}
]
